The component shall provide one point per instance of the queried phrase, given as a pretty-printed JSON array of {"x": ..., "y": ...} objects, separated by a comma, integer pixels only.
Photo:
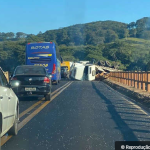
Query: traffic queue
[{"x": 44, "y": 67}]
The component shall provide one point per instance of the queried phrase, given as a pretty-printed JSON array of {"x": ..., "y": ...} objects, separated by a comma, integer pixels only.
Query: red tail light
[
  {"x": 46, "y": 80},
  {"x": 14, "y": 78},
  {"x": 54, "y": 69}
]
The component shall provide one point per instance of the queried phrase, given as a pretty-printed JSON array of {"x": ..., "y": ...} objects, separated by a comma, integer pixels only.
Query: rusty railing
[{"x": 139, "y": 80}]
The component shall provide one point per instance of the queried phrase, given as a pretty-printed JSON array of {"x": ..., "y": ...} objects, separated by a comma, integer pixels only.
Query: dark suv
[{"x": 32, "y": 80}]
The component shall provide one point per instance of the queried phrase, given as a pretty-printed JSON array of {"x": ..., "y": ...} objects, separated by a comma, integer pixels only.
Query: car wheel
[
  {"x": 14, "y": 129},
  {"x": 48, "y": 97},
  {"x": 56, "y": 82}
]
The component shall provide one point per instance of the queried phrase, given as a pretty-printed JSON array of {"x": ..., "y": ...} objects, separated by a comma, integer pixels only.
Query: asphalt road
[
  {"x": 26, "y": 102},
  {"x": 85, "y": 116}
]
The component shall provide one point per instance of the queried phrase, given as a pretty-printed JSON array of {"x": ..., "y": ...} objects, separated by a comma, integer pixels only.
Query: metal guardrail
[{"x": 139, "y": 80}]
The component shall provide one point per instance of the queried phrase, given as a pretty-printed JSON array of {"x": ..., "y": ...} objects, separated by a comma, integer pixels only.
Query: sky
[{"x": 33, "y": 16}]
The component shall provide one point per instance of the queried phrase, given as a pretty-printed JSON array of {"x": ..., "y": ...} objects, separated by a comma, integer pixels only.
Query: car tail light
[
  {"x": 46, "y": 80},
  {"x": 14, "y": 78},
  {"x": 54, "y": 69}
]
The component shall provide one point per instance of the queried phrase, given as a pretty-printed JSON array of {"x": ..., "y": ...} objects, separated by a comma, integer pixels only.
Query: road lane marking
[
  {"x": 4, "y": 139},
  {"x": 39, "y": 102},
  {"x": 27, "y": 119}
]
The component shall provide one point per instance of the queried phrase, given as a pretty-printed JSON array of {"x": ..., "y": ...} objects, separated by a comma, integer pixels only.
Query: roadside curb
[{"x": 139, "y": 96}]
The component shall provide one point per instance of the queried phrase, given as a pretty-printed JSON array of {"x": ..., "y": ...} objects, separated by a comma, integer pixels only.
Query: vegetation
[{"x": 125, "y": 44}]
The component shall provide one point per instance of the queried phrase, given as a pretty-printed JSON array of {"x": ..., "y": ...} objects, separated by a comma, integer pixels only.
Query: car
[
  {"x": 32, "y": 80},
  {"x": 9, "y": 108}
]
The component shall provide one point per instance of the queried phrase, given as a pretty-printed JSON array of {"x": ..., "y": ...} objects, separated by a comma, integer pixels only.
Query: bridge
[{"x": 85, "y": 115}]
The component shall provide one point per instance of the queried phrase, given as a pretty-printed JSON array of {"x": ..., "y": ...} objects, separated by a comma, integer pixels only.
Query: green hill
[{"x": 126, "y": 44}]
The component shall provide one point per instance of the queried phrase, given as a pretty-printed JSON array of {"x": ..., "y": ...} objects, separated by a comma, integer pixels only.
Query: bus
[{"x": 45, "y": 54}]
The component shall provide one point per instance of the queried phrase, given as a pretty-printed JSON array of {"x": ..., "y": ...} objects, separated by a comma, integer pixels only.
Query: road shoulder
[{"x": 141, "y": 97}]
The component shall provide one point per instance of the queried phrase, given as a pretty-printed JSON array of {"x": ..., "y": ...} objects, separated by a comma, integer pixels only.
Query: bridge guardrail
[{"x": 139, "y": 80}]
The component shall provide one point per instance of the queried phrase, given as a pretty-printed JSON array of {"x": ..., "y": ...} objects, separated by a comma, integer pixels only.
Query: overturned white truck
[{"x": 81, "y": 71}]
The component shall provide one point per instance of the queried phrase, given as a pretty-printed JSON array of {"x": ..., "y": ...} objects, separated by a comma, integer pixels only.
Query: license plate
[{"x": 30, "y": 89}]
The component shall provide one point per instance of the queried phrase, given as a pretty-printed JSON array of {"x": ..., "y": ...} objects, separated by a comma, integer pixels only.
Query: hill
[{"x": 126, "y": 44}]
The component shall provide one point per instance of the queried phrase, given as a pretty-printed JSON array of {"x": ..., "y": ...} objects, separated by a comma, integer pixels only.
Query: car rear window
[{"x": 30, "y": 70}]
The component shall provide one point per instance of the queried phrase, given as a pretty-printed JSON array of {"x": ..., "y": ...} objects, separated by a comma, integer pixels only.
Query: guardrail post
[
  {"x": 144, "y": 80},
  {"x": 119, "y": 77},
  {"x": 114, "y": 76},
  {"x": 129, "y": 78},
  {"x": 148, "y": 81},
  {"x": 135, "y": 79},
  {"x": 125, "y": 76},
  {"x": 139, "y": 80},
  {"x": 132, "y": 74}
]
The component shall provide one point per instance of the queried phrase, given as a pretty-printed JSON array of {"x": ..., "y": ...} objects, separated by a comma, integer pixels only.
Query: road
[{"x": 83, "y": 116}]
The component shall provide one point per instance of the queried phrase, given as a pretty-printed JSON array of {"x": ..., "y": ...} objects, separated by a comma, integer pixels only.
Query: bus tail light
[
  {"x": 46, "y": 80},
  {"x": 54, "y": 69}
]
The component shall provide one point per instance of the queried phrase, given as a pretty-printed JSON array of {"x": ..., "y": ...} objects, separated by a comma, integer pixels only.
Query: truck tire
[
  {"x": 14, "y": 129},
  {"x": 107, "y": 63},
  {"x": 102, "y": 63},
  {"x": 98, "y": 63}
]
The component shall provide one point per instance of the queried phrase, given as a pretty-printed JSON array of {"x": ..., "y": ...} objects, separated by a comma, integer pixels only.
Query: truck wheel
[
  {"x": 14, "y": 129},
  {"x": 107, "y": 63}
]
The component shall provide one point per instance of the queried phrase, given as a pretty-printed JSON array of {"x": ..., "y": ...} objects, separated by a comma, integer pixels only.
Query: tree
[
  {"x": 34, "y": 38},
  {"x": 132, "y": 32},
  {"x": 3, "y": 36},
  {"x": 10, "y": 35},
  {"x": 145, "y": 35},
  {"x": 131, "y": 25},
  {"x": 110, "y": 36},
  {"x": 40, "y": 33},
  {"x": 20, "y": 35}
]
